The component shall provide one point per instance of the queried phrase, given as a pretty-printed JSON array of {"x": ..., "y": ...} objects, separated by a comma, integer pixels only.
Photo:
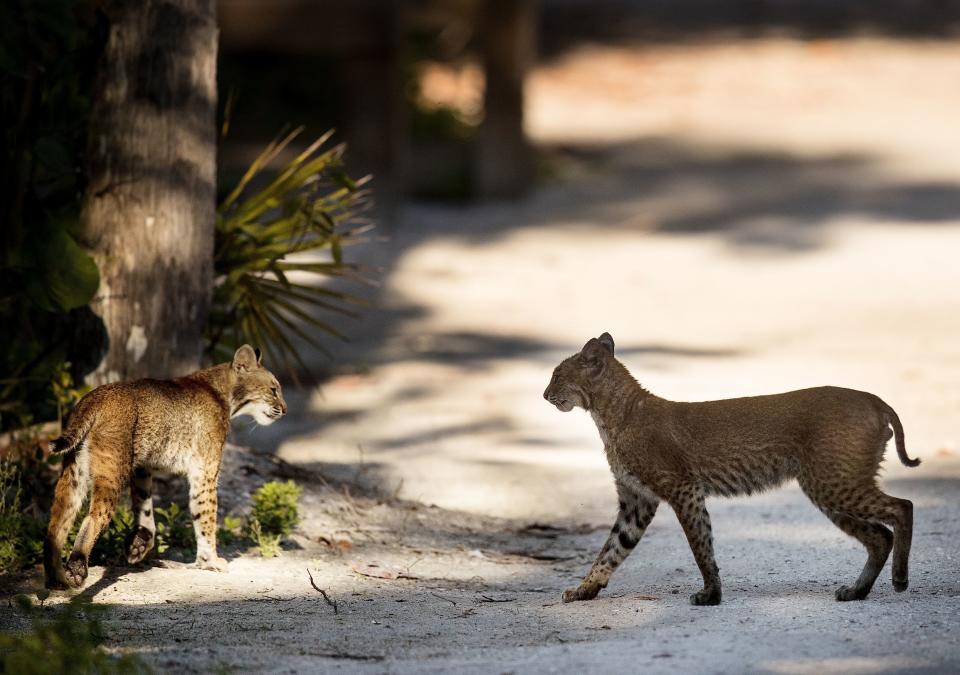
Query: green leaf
[{"x": 64, "y": 276}]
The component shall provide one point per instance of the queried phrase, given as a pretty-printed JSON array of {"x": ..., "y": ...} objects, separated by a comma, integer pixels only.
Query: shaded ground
[
  {"x": 480, "y": 594},
  {"x": 744, "y": 218}
]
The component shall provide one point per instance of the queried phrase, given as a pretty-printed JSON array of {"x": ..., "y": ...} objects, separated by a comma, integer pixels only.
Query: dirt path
[
  {"x": 479, "y": 594},
  {"x": 743, "y": 219}
]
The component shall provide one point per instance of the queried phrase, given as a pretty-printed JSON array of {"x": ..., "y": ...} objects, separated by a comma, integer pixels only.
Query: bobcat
[
  {"x": 830, "y": 439},
  {"x": 134, "y": 427}
]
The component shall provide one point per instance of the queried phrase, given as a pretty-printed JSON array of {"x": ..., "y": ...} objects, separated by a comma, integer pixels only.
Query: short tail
[
  {"x": 63, "y": 444},
  {"x": 894, "y": 420},
  {"x": 77, "y": 428}
]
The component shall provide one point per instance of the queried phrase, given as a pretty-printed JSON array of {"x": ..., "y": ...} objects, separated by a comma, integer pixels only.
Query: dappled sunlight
[
  {"x": 838, "y": 95},
  {"x": 806, "y": 239},
  {"x": 457, "y": 391},
  {"x": 490, "y": 590}
]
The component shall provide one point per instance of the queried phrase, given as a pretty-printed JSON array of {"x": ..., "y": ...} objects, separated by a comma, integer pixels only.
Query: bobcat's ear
[
  {"x": 593, "y": 351},
  {"x": 607, "y": 341},
  {"x": 245, "y": 359},
  {"x": 256, "y": 350}
]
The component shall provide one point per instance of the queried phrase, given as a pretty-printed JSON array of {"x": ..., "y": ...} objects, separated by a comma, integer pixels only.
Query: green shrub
[
  {"x": 267, "y": 544},
  {"x": 275, "y": 507},
  {"x": 21, "y": 534},
  {"x": 174, "y": 528},
  {"x": 111, "y": 547},
  {"x": 66, "y": 642},
  {"x": 174, "y": 531},
  {"x": 231, "y": 531}
]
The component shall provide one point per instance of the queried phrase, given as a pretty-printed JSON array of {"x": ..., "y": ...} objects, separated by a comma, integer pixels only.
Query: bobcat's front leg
[
  {"x": 636, "y": 512},
  {"x": 203, "y": 508}
]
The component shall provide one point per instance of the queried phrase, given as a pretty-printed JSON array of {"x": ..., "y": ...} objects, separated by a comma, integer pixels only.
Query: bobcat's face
[
  {"x": 566, "y": 389},
  {"x": 256, "y": 392},
  {"x": 575, "y": 377}
]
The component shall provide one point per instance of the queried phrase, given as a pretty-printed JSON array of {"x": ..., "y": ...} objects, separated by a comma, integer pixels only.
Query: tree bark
[{"x": 149, "y": 210}]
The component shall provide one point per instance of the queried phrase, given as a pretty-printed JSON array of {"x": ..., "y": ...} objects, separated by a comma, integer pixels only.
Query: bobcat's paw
[
  {"x": 900, "y": 585},
  {"x": 212, "y": 563},
  {"x": 581, "y": 592},
  {"x": 56, "y": 584},
  {"x": 846, "y": 593},
  {"x": 706, "y": 597},
  {"x": 139, "y": 545},
  {"x": 76, "y": 571}
]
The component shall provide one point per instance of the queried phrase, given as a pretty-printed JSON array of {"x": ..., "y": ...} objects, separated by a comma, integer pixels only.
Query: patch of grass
[
  {"x": 21, "y": 534},
  {"x": 174, "y": 531},
  {"x": 267, "y": 544},
  {"x": 275, "y": 507},
  {"x": 274, "y": 514},
  {"x": 231, "y": 531},
  {"x": 62, "y": 640},
  {"x": 111, "y": 546},
  {"x": 174, "y": 528}
]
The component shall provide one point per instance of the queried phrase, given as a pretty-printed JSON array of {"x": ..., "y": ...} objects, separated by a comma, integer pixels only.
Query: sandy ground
[{"x": 743, "y": 218}]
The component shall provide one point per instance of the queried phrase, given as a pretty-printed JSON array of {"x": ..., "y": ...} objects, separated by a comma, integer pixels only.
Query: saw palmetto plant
[{"x": 279, "y": 242}]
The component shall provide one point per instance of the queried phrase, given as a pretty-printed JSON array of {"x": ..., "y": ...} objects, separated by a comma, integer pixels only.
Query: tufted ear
[
  {"x": 259, "y": 355},
  {"x": 245, "y": 359},
  {"x": 607, "y": 341}
]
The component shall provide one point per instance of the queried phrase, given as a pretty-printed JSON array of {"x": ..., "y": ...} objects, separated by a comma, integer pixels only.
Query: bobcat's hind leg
[
  {"x": 68, "y": 498},
  {"x": 899, "y": 513},
  {"x": 636, "y": 512},
  {"x": 140, "y": 541},
  {"x": 688, "y": 503},
  {"x": 861, "y": 510},
  {"x": 878, "y": 541},
  {"x": 103, "y": 503}
]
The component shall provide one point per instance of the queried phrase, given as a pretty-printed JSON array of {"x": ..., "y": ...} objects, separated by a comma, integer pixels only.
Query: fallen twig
[
  {"x": 487, "y": 598},
  {"x": 378, "y": 571},
  {"x": 332, "y": 603},
  {"x": 543, "y": 555},
  {"x": 437, "y": 595}
]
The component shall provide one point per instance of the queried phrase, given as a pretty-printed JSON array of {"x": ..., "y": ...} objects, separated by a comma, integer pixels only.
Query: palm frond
[{"x": 310, "y": 209}]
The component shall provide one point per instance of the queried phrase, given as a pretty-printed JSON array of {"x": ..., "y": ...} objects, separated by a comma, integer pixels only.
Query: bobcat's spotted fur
[
  {"x": 830, "y": 439},
  {"x": 124, "y": 430}
]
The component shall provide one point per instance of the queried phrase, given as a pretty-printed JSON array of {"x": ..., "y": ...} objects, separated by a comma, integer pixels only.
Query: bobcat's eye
[{"x": 274, "y": 391}]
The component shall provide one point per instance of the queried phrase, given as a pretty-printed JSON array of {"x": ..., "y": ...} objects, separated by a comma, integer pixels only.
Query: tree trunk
[
  {"x": 149, "y": 210},
  {"x": 504, "y": 165}
]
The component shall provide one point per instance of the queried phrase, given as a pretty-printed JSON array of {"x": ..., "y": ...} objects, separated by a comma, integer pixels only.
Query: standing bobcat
[
  {"x": 133, "y": 427},
  {"x": 830, "y": 439}
]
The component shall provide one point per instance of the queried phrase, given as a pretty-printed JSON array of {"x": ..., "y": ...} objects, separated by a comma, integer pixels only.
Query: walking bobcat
[
  {"x": 830, "y": 439},
  {"x": 134, "y": 427}
]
